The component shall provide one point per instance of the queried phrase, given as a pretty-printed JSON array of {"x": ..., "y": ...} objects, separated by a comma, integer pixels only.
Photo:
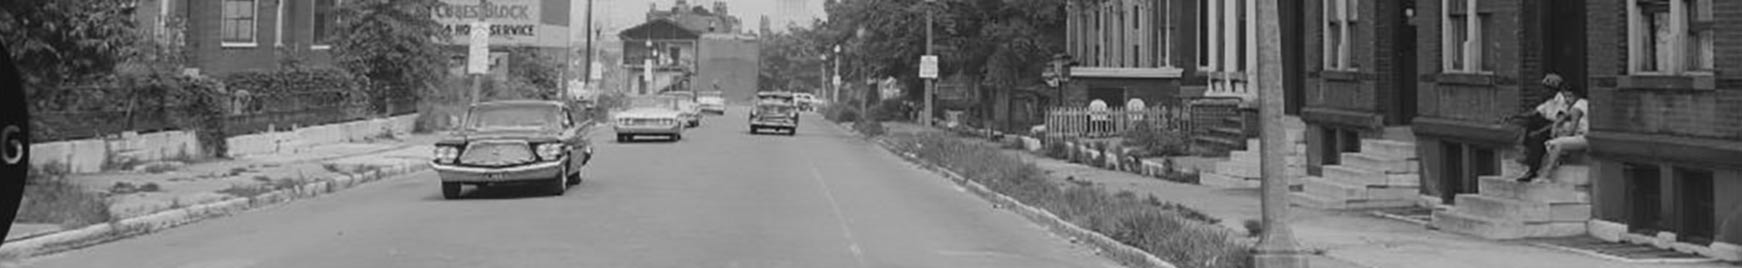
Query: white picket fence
[{"x": 1082, "y": 122}]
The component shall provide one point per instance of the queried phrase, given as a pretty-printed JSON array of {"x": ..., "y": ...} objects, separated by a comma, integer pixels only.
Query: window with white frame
[
  {"x": 1462, "y": 38},
  {"x": 238, "y": 25},
  {"x": 1339, "y": 17},
  {"x": 1669, "y": 37},
  {"x": 323, "y": 22}
]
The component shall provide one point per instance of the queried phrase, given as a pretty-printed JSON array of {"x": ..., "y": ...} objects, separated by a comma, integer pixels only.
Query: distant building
[{"x": 689, "y": 48}]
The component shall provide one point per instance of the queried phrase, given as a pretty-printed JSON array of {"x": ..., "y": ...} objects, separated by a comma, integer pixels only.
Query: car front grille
[{"x": 497, "y": 153}]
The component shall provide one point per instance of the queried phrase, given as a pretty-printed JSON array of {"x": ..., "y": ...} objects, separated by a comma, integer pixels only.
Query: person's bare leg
[{"x": 1550, "y": 161}]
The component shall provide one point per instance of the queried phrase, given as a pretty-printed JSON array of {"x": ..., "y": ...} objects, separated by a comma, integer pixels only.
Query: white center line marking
[{"x": 852, "y": 243}]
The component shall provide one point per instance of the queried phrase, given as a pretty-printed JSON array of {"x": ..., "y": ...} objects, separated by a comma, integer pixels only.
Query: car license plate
[{"x": 493, "y": 176}]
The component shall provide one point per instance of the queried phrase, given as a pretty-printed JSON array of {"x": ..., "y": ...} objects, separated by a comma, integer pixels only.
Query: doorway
[
  {"x": 1402, "y": 102},
  {"x": 1563, "y": 39}
]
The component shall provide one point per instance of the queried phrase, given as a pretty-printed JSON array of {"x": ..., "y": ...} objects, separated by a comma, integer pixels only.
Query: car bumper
[
  {"x": 773, "y": 124},
  {"x": 650, "y": 130},
  {"x": 524, "y": 173}
]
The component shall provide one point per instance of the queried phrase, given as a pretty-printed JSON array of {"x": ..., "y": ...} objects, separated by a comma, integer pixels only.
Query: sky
[{"x": 614, "y": 15}]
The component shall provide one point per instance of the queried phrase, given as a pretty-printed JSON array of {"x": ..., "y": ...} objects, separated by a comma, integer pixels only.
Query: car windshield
[
  {"x": 514, "y": 117},
  {"x": 653, "y": 102},
  {"x": 773, "y": 109}
]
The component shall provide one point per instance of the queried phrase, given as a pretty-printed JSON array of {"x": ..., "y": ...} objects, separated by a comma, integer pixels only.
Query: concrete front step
[
  {"x": 1309, "y": 200},
  {"x": 1225, "y": 181},
  {"x": 1254, "y": 157},
  {"x": 1388, "y": 148},
  {"x": 1491, "y": 228},
  {"x": 1254, "y": 170},
  {"x": 1381, "y": 163},
  {"x": 1362, "y": 176},
  {"x": 1579, "y": 175},
  {"x": 1538, "y": 191},
  {"x": 1334, "y": 190},
  {"x": 1520, "y": 210},
  {"x": 1253, "y": 145}
]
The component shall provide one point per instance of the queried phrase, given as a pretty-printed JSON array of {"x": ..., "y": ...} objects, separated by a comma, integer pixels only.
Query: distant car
[
  {"x": 712, "y": 102},
  {"x": 780, "y": 96},
  {"x": 514, "y": 142},
  {"x": 650, "y": 115},
  {"x": 687, "y": 105},
  {"x": 774, "y": 115},
  {"x": 805, "y": 101}
]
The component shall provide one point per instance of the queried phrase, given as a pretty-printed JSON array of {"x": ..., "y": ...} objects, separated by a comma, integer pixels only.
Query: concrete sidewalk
[
  {"x": 212, "y": 186},
  {"x": 1348, "y": 238}
]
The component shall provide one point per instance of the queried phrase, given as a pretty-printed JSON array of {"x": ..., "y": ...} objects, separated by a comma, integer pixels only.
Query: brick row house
[
  {"x": 227, "y": 36},
  {"x": 1191, "y": 53},
  {"x": 1405, "y": 101}
]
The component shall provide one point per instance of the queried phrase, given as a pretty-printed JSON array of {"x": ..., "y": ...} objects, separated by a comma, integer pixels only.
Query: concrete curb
[
  {"x": 162, "y": 220},
  {"x": 1120, "y": 252}
]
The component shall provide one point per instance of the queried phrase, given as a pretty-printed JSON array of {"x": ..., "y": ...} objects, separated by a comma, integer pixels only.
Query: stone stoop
[
  {"x": 1243, "y": 168},
  {"x": 1386, "y": 173},
  {"x": 1507, "y": 209}
]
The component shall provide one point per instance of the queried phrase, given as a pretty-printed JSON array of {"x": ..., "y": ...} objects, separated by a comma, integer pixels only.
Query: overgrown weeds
[
  {"x": 53, "y": 200},
  {"x": 1173, "y": 232}
]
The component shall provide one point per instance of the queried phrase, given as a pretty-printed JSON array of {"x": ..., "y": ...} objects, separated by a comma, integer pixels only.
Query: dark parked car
[
  {"x": 515, "y": 142},
  {"x": 774, "y": 115}
]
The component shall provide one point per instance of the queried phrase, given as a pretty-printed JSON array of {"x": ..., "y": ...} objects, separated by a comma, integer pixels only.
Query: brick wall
[
  {"x": 205, "y": 41},
  {"x": 1480, "y": 98},
  {"x": 1713, "y": 114}
]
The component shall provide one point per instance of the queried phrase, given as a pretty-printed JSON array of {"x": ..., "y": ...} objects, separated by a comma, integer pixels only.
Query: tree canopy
[
  {"x": 394, "y": 43},
  {"x": 997, "y": 43}
]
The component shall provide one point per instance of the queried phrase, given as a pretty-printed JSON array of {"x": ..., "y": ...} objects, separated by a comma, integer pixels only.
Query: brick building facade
[
  {"x": 1125, "y": 50},
  {"x": 1667, "y": 122}
]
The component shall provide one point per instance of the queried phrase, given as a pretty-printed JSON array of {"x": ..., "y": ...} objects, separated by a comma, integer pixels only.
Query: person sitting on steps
[
  {"x": 1539, "y": 124},
  {"x": 1569, "y": 136}
]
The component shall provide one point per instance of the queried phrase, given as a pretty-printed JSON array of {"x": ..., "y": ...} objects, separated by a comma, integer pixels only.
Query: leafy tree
[
  {"x": 396, "y": 44},
  {"x": 66, "y": 40}
]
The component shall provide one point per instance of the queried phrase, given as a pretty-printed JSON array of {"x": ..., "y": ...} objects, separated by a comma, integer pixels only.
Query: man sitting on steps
[{"x": 1539, "y": 124}]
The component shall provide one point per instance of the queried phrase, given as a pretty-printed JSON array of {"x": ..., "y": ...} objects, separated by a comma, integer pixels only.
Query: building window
[
  {"x": 1240, "y": 25},
  {"x": 323, "y": 22},
  {"x": 1669, "y": 37},
  {"x": 237, "y": 28},
  {"x": 1644, "y": 198},
  {"x": 1339, "y": 15},
  {"x": 1695, "y": 199},
  {"x": 1463, "y": 37},
  {"x": 1205, "y": 33}
]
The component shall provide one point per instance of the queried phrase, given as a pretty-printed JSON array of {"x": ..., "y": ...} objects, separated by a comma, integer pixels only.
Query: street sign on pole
[
  {"x": 928, "y": 66},
  {"x": 478, "y": 60}
]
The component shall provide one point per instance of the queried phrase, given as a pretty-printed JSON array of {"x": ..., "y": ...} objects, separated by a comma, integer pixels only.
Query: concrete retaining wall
[
  {"x": 299, "y": 139},
  {"x": 88, "y": 156}
]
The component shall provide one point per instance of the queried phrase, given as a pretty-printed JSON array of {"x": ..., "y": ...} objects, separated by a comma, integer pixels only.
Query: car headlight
[
  {"x": 446, "y": 153},
  {"x": 550, "y": 151}
]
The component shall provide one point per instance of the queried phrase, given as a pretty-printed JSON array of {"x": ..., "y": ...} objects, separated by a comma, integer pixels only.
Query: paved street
[{"x": 718, "y": 198}]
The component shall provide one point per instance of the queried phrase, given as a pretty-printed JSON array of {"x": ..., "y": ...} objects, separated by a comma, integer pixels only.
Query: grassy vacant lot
[{"x": 1174, "y": 233}]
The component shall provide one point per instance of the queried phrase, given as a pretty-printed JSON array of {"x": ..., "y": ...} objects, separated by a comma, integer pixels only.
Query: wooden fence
[{"x": 1081, "y": 122}]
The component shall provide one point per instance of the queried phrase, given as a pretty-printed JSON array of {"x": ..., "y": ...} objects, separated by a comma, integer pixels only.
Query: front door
[
  {"x": 1402, "y": 107},
  {"x": 1564, "y": 40}
]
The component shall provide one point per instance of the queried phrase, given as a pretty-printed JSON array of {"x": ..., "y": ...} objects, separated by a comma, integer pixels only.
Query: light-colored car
[
  {"x": 687, "y": 104},
  {"x": 774, "y": 115},
  {"x": 806, "y": 101},
  {"x": 650, "y": 115},
  {"x": 713, "y": 102},
  {"x": 514, "y": 142}
]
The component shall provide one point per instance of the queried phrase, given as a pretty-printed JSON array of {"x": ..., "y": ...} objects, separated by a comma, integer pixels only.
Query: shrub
[
  {"x": 1173, "y": 232},
  {"x": 60, "y": 202},
  {"x": 1254, "y": 228},
  {"x": 1152, "y": 141}
]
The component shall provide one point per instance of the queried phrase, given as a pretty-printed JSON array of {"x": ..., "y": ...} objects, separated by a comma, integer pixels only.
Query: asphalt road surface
[{"x": 719, "y": 198}]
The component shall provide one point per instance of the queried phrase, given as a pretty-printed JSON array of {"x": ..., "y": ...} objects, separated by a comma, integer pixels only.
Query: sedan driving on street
[
  {"x": 712, "y": 102},
  {"x": 650, "y": 115},
  {"x": 514, "y": 142},
  {"x": 774, "y": 115}
]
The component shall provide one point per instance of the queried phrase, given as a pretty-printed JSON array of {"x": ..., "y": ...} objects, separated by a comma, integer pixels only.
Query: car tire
[
  {"x": 791, "y": 131},
  {"x": 451, "y": 190},
  {"x": 676, "y": 137},
  {"x": 574, "y": 178}
]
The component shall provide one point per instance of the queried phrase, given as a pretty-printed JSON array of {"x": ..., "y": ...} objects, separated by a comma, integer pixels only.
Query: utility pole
[
  {"x": 926, "y": 113},
  {"x": 1277, "y": 247},
  {"x": 587, "y": 77}
]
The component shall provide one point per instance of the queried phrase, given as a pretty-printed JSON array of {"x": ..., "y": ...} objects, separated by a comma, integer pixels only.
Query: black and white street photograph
[{"x": 871, "y": 133}]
